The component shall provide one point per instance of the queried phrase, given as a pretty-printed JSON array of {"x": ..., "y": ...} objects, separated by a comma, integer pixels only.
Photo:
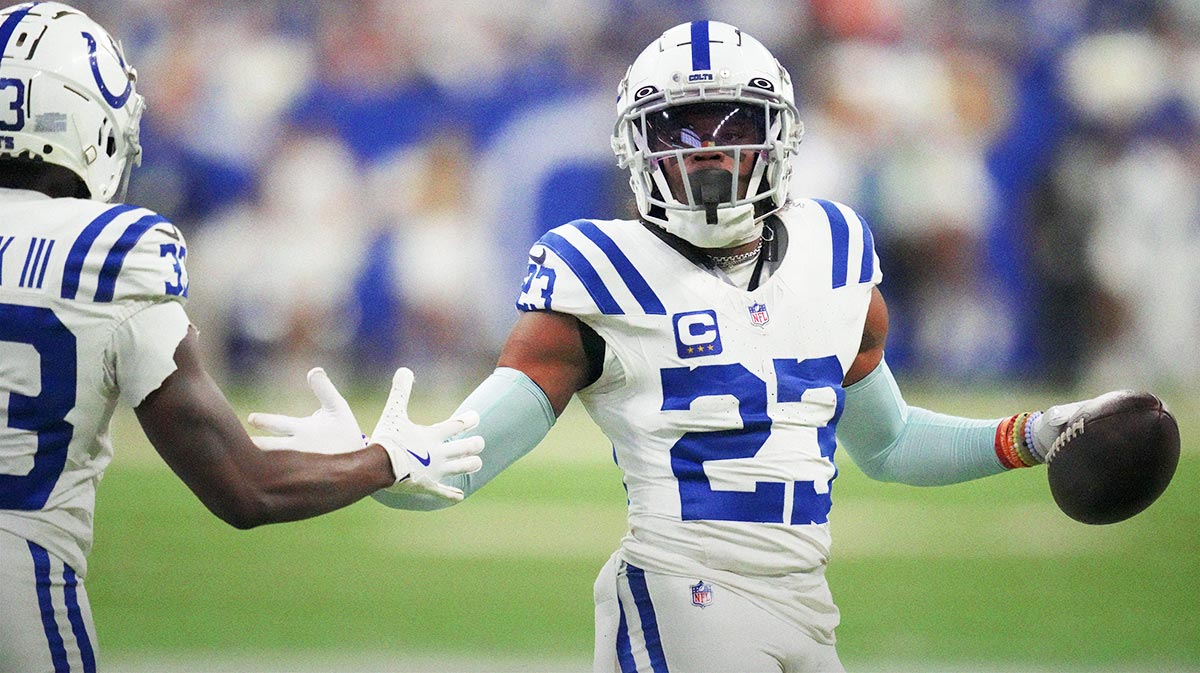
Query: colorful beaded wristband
[
  {"x": 1012, "y": 448},
  {"x": 1004, "y": 448},
  {"x": 1029, "y": 437},
  {"x": 1019, "y": 439}
]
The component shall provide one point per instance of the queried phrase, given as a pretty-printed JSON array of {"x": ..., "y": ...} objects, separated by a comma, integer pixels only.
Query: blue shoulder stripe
[
  {"x": 868, "y": 257},
  {"x": 840, "y": 232},
  {"x": 83, "y": 244},
  {"x": 116, "y": 256},
  {"x": 637, "y": 284},
  {"x": 584, "y": 271}
]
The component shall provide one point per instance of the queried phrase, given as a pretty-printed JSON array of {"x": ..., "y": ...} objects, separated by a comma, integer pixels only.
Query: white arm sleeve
[{"x": 890, "y": 441}]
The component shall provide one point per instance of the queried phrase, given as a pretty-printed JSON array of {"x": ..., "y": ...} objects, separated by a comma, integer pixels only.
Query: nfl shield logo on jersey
[
  {"x": 701, "y": 594},
  {"x": 758, "y": 314}
]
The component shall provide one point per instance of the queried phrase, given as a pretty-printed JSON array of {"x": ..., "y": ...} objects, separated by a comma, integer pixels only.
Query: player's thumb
[{"x": 327, "y": 394}]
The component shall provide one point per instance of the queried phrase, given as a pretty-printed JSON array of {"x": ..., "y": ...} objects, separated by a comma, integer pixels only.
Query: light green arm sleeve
[
  {"x": 891, "y": 441},
  {"x": 514, "y": 417}
]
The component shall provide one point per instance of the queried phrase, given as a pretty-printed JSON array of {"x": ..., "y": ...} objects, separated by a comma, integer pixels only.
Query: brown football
[{"x": 1114, "y": 457}]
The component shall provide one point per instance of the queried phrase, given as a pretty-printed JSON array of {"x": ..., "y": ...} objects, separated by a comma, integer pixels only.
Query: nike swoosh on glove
[{"x": 424, "y": 455}]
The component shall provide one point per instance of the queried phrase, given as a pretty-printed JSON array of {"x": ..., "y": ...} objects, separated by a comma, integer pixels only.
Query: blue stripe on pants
[
  {"x": 624, "y": 650},
  {"x": 75, "y": 615},
  {"x": 645, "y": 608},
  {"x": 41, "y": 569}
]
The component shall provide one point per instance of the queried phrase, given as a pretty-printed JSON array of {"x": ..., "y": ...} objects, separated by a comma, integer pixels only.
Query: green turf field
[{"x": 980, "y": 576}]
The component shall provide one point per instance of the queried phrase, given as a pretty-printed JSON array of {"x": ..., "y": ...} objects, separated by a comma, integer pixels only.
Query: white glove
[
  {"x": 1053, "y": 421},
  {"x": 331, "y": 429},
  {"x": 421, "y": 455}
]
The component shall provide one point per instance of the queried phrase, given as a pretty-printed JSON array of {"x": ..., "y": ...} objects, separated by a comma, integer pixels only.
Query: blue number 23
[{"x": 698, "y": 500}]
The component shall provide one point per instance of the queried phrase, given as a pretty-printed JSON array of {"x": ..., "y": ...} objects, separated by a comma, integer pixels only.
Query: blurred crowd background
[{"x": 359, "y": 181}]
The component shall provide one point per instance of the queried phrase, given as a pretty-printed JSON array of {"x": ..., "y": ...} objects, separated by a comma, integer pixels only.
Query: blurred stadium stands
[{"x": 359, "y": 181}]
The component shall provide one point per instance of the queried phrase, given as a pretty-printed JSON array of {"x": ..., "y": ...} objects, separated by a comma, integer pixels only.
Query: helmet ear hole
[{"x": 110, "y": 147}]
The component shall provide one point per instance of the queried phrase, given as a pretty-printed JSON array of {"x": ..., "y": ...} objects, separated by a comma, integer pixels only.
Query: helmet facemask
[{"x": 668, "y": 135}]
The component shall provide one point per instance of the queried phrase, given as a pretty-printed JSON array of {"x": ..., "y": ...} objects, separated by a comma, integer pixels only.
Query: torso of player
[
  {"x": 71, "y": 271},
  {"x": 721, "y": 403}
]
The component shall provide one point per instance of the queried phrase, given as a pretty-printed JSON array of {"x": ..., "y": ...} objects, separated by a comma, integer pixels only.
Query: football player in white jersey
[
  {"x": 91, "y": 314},
  {"x": 718, "y": 341}
]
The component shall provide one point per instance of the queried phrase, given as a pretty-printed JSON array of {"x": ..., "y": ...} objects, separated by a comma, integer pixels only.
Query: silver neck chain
[{"x": 726, "y": 262}]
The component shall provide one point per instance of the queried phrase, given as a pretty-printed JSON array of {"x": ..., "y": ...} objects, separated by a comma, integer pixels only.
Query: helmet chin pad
[{"x": 712, "y": 186}]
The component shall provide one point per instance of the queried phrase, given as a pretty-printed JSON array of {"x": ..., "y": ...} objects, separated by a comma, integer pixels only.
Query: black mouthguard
[{"x": 712, "y": 186}]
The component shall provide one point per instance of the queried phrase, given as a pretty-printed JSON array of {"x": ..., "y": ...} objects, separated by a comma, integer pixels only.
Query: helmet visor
[{"x": 706, "y": 124}]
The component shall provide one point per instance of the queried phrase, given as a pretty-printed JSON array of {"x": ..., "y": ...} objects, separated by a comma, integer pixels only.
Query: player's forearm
[
  {"x": 278, "y": 486},
  {"x": 514, "y": 416},
  {"x": 891, "y": 441},
  {"x": 197, "y": 433},
  {"x": 247, "y": 487}
]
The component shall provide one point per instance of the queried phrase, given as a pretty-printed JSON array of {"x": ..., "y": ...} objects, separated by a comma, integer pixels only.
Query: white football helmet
[
  {"x": 706, "y": 86},
  {"x": 67, "y": 96}
]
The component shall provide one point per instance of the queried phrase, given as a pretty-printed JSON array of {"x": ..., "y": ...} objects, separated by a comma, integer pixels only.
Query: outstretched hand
[
  {"x": 330, "y": 429},
  {"x": 424, "y": 455}
]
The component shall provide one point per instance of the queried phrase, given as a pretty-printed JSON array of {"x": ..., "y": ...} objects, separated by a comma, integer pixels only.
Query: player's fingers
[
  {"x": 459, "y": 448},
  {"x": 329, "y": 397},
  {"x": 467, "y": 465},
  {"x": 447, "y": 492},
  {"x": 397, "y": 402},
  {"x": 467, "y": 420},
  {"x": 273, "y": 443},
  {"x": 276, "y": 423}
]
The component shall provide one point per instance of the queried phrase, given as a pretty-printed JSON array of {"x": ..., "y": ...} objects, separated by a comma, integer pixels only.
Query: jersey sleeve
[
  {"x": 146, "y": 268},
  {"x": 144, "y": 346},
  {"x": 582, "y": 269},
  {"x": 854, "y": 259},
  {"x": 154, "y": 267},
  {"x": 869, "y": 269}
]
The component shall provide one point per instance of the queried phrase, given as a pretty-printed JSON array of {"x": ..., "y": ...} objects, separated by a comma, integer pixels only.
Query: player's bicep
[
  {"x": 548, "y": 347},
  {"x": 870, "y": 350},
  {"x": 190, "y": 423}
]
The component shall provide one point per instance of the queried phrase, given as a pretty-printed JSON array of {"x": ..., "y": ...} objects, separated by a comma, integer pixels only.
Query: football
[{"x": 1114, "y": 457}]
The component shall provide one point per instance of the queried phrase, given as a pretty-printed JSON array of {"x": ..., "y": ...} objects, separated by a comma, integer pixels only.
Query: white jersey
[
  {"x": 91, "y": 312},
  {"x": 720, "y": 402}
]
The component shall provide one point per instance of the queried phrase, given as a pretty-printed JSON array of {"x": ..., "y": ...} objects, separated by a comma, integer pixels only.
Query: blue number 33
[{"x": 698, "y": 500}]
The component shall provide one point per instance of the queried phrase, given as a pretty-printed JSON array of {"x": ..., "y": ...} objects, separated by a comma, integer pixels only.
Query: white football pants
[
  {"x": 655, "y": 623},
  {"x": 45, "y": 618}
]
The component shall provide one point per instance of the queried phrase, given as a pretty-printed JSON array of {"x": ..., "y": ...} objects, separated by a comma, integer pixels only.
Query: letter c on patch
[{"x": 696, "y": 333}]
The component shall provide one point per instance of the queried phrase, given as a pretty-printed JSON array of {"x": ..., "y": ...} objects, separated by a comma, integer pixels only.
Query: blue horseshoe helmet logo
[{"x": 117, "y": 102}]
